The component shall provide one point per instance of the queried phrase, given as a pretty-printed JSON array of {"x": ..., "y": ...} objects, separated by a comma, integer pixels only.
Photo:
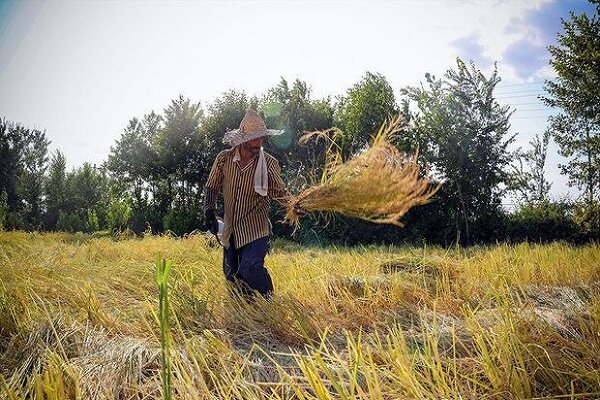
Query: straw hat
[{"x": 251, "y": 127}]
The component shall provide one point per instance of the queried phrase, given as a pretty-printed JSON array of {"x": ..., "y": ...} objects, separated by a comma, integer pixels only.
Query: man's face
[{"x": 253, "y": 146}]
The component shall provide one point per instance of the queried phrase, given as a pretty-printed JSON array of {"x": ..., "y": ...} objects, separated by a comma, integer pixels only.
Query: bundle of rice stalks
[{"x": 378, "y": 185}]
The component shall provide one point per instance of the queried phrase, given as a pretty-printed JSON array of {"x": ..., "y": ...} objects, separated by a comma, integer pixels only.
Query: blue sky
[{"x": 81, "y": 70}]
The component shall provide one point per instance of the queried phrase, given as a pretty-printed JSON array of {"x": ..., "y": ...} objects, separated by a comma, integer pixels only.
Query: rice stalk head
[{"x": 378, "y": 185}]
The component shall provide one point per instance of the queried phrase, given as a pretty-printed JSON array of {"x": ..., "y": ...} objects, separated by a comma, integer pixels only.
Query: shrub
[
  {"x": 587, "y": 218},
  {"x": 181, "y": 219},
  {"x": 92, "y": 221},
  {"x": 543, "y": 222},
  {"x": 70, "y": 222},
  {"x": 118, "y": 214}
]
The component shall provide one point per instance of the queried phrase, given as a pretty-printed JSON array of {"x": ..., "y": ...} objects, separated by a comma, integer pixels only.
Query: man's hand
[{"x": 210, "y": 221}]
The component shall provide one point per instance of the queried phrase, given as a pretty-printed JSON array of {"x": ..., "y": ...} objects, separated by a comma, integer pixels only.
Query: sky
[{"x": 80, "y": 70}]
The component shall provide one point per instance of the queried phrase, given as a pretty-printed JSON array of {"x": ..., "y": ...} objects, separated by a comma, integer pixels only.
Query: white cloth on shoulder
[{"x": 261, "y": 175}]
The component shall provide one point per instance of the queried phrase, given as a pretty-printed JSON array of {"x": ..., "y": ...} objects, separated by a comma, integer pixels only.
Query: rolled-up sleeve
[{"x": 277, "y": 190}]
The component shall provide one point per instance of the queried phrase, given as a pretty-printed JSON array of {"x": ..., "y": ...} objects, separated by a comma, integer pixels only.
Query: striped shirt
[{"x": 246, "y": 212}]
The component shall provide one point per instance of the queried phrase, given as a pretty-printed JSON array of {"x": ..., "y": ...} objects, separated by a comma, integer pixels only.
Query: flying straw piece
[{"x": 378, "y": 185}]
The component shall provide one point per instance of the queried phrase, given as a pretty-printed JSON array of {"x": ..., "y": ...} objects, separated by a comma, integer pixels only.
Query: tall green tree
[
  {"x": 86, "y": 197},
  {"x": 161, "y": 163},
  {"x": 133, "y": 159},
  {"x": 55, "y": 186},
  {"x": 31, "y": 180},
  {"x": 363, "y": 109},
  {"x": 23, "y": 162},
  {"x": 11, "y": 143},
  {"x": 575, "y": 91},
  {"x": 86, "y": 188},
  {"x": 133, "y": 168},
  {"x": 177, "y": 147},
  {"x": 462, "y": 133}
]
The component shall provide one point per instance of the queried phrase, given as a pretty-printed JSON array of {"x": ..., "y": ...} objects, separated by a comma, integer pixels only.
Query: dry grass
[
  {"x": 378, "y": 185},
  {"x": 79, "y": 320}
]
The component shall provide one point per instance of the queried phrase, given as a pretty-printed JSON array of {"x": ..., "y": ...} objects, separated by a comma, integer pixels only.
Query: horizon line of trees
[{"x": 153, "y": 176}]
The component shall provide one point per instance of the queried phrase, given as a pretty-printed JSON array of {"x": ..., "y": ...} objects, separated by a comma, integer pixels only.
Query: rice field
[{"x": 80, "y": 319}]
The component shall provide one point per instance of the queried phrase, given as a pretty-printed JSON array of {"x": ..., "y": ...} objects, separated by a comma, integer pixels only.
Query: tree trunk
[
  {"x": 590, "y": 177},
  {"x": 464, "y": 213}
]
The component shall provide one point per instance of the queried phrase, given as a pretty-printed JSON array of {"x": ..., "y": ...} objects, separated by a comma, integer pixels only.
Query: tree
[
  {"x": 362, "y": 111},
  {"x": 133, "y": 165},
  {"x": 11, "y": 143},
  {"x": 31, "y": 180},
  {"x": 118, "y": 214},
  {"x": 177, "y": 144},
  {"x": 460, "y": 130},
  {"x": 85, "y": 199},
  {"x": 180, "y": 148},
  {"x": 55, "y": 189},
  {"x": 530, "y": 185},
  {"x": 23, "y": 162},
  {"x": 576, "y": 61},
  {"x": 133, "y": 159}
]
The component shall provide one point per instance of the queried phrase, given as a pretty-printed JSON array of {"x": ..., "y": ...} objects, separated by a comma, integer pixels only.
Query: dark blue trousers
[{"x": 245, "y": 267}]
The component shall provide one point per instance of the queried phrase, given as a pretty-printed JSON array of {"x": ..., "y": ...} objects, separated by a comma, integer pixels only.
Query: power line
[
  {"x": 522, "y": 95},
  {"x": 519, "y": 91},
  {"x": 514, "y": 92},
  {"x": 521, "y": 84},
  {"x": 533, "y": 109},
  {"x": 525, "y": 104},
  {"x": 522, "y": 91},
  {"x": 532, "y": 117}
]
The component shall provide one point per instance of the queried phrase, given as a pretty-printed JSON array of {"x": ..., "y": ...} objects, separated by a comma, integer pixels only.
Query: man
[{"x": 248, "y": 177}]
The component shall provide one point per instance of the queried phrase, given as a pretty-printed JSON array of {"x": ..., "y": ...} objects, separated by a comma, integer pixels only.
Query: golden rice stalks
[{"x": 378, "y": 185}]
